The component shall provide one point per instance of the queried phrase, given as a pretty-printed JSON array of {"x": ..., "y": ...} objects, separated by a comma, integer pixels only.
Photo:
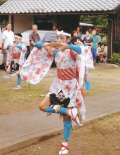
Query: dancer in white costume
[
  {"x": 65, "y": 96},
  {"x": 16, "y": 58}
]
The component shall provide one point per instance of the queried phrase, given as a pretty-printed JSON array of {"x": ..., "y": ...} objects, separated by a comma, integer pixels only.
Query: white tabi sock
[
  {"x": 65, "y": 143},
  {"x": 72, "y": 112}
]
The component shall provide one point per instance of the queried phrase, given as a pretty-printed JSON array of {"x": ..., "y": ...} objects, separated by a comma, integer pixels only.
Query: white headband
[
  {"x": 63, "y": 33},
  {"x": 18, "y": 37}
]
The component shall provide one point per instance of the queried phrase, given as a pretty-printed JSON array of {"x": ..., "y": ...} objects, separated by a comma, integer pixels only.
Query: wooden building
[{"x": 114, "y": 32}]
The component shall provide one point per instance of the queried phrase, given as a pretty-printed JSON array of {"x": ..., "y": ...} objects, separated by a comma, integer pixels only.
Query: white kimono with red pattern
[
  {"x": 16, "y": 54},
  {"x": 70, "y": 72}
]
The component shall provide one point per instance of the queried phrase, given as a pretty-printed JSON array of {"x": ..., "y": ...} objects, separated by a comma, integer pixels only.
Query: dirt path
[{"x": 100, "y": 137}]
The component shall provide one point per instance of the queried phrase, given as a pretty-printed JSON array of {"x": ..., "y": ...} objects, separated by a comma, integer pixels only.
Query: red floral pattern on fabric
[
  {"x": 24, "y": 78},
  {"x": 49, "y": 56},
  {"x": 86, "y": 50},
  {"x": 68, "y": 88},
  {"x": 37, "y": 71},
  {"x": 31, "y": 60}
]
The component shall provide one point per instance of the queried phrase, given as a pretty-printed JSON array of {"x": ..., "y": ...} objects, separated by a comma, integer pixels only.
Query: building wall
[{"x": 23, "y": 23}]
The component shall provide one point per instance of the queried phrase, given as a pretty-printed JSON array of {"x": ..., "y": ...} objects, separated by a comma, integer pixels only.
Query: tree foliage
[
  {"x": 2, "y": 1},
  {"x": 98, "y": 20},
  {"x": 115, "y": 58}
]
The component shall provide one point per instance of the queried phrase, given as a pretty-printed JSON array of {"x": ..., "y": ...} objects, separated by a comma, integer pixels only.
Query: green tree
[
  {"x": 2, "y": 1},
  {"x": 97, "y": 20}
]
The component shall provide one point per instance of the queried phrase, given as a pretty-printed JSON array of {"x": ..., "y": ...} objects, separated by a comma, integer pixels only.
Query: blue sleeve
[
  {"x": 8, "y": 46},
  {"x": 76, "y": 48},
  {"x": 18, "y": 46},
  {"x": 39, "y": 44}
]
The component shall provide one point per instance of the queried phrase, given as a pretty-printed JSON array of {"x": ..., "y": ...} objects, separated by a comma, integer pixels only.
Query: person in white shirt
[
  {"x": 101, "y": 53},
  {"x": 8, "y": 38}
]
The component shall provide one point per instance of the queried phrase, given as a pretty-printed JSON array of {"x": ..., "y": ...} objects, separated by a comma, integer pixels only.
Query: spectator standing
[
  {"x": 34, "y": 37},
  {"x": 94, "y": 46},
  {"x": 87, "y": 39},
  {"x": 79, "y": 32},
  {"x": 90, "y": 30},
  {"x": 8, "y": 38}
]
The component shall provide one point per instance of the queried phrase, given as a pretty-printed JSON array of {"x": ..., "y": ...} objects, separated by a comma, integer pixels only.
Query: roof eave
[
  {"x": 117, "y": 9},
  {"x": 67, "y": 13}
]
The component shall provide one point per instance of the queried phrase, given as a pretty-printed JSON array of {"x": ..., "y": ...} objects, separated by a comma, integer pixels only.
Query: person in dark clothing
[
  {"x": 75, "y": 37},
  {"x": 34, "y": 37},
  {"x": 87, "y": 39}
]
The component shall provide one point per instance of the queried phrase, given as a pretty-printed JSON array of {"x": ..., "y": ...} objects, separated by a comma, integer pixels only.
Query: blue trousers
[
  {"x": 67, "y": 129},
  {"x": 67, "y": 124},
  {"x": 19, "y": 80},
  {"x": 94, "y": 54}
]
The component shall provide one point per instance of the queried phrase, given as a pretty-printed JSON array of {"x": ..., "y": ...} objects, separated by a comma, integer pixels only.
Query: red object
[
  {"x": 24, "y": 78},
  {"x": 101, "y": 56},
  {"x": 86, "y": 50},
  {"x": 49, "y": 56},
  {"x": 37, "y": 71},
  {"x": 66, "y": 74},
  {"x": 82, "y": 93},
  {"x": 67, "y": 148},
  {"x": 16, "y": 55},
  {"x": 74, "y": 119},
  {"x": 72, "y": 54},
  {"x": 79, "y": 105},
  {"x": 2, "y": 47}
]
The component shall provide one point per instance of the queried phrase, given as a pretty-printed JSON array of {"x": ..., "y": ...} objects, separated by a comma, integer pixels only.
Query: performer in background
[{"x": 16, "y": 58}]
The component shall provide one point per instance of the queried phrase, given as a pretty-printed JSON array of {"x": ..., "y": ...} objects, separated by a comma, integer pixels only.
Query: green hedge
[
  {"x": 2, "y": 1},
  {"x": 105, "y": 42},
  {"x": 102, "y": 34},
  {"x": 115, "y": 58}
]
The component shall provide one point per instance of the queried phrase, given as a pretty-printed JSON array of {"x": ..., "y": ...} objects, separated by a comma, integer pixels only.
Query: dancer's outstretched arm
[
  {"x": 47, "y": 46},
  {"x": 64, "y": 46}
]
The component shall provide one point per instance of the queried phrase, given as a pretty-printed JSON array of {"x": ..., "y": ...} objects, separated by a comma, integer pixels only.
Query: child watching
[{"x": 101, "y": 53}]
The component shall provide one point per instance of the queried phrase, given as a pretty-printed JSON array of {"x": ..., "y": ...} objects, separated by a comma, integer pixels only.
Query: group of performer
[{"x": 65, "y": 95}]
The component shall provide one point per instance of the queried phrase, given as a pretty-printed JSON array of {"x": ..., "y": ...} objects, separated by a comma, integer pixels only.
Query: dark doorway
[{"x": 44, "y": 22}]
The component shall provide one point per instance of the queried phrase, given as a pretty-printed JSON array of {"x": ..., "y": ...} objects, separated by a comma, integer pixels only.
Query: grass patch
[{"x": 30, "y": 96}]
